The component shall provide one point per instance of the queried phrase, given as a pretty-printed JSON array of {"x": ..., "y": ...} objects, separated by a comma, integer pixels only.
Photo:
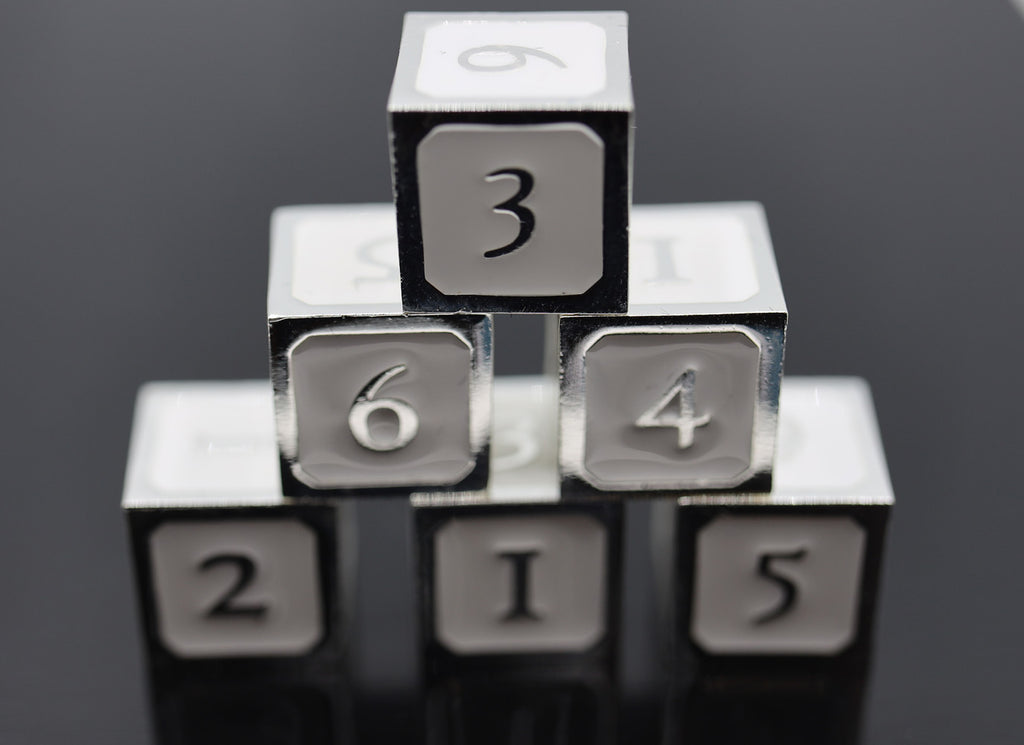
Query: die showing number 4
[{"x": 684, "y": 419}]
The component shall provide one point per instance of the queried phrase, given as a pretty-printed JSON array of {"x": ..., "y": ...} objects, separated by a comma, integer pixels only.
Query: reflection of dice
[
  {"x": 542, "y": 708},
  {"x": 368, "y": 401},
  {"x": 238, "y": 589},
  {"x": 511, "y": 151},
  {"x": 771, "y": 597},
  {"x": 681, "y": 393},
  {"x": 520, "y": 593}
]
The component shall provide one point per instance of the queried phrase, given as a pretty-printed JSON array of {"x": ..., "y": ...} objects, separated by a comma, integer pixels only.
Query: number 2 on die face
[{"x": 229, "y": 604}]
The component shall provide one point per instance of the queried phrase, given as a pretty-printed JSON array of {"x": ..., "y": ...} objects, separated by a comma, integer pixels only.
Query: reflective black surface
[{"x": 142, "y": 147}]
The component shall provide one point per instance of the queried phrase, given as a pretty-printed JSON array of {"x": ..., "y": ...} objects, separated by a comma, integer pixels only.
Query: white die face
[
  {"x": 520, "y": 584},
  {"x": 348, "y": 258},
  {"x": 230, "y": 588},
  {"x": 686, "y": 256},
  {"x": 382, "y": 409},
  {"x": 512, "y": 59},
  {"x": 777, "y": 585},
  {"x": 214, "y": 443},
  {"x": 670, "y": 407},
  {"x": 512, "y": 210}
]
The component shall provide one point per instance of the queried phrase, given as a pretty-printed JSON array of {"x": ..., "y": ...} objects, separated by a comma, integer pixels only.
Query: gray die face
[
  {"x": 520, "y": 584},
  {"x": 777, "y": 585},
  {"x": 485, "y": 188},
  {"x": 417, "y": 432},
  {"x": 228, "y": 588},
  {"x": 670, "y": 410}
]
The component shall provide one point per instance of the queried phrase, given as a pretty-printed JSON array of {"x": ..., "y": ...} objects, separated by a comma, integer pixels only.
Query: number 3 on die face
[{"x": 512, "y": 209}]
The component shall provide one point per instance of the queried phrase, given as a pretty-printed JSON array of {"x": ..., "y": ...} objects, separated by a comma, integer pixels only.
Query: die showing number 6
[
  {"x": 516, "y": 53},
  {"x": 367, "y": 402}
]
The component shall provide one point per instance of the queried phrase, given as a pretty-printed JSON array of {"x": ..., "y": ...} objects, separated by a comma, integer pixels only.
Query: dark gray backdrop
[{"x": 143, "y": 145}]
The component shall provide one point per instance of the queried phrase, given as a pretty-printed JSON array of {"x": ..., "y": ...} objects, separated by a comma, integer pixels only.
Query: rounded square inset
[
  {"x": 777, "y": 585},
  {"x": 669, "y": 407},
  {"x": 494, "y": 60},
  {"x": 379, "y": 409},
  {"x": 512, "y": 210},
  {"x": 520, "y": 584},
  {"x": 230, "y": 588}
]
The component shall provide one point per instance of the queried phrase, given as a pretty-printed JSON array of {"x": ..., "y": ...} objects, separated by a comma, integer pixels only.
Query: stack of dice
[{"x": 511, "y": 139}]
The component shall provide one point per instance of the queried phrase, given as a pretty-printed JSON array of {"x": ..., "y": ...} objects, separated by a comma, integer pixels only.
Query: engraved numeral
[
  {"x": 228, "y": 604},
  {"x": 366, "y": 403},
  {"x": 684, "y": 418},
  {"x": 514, "y": 56},
  {"x": 786, "y": 585},
  {"x": 513, "y": 206},
  {"x": 520, "y": 605}
]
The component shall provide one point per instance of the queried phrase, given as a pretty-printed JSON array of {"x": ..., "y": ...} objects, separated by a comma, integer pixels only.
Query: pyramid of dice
[{"x": 511, "y": 149}]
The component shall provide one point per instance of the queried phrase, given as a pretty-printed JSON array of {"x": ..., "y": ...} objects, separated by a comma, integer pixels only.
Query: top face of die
[
  {"x": 702, "y": 259},
  {"x": 334, "y": 260},
  {"x": 829, "y": 449},
  {"x": 512, "y": 62},
  {"x": 203, "y": 444},
  {"x": 829, "y": 446}
]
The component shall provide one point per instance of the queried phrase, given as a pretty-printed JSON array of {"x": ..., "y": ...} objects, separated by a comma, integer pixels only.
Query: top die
[{"x": 511, "y": 147}]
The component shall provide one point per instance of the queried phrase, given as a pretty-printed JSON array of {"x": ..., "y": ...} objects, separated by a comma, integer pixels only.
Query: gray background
[{"x": 143, "y": 145}]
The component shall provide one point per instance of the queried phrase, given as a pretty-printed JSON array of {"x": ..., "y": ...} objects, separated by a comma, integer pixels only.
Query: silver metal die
[
  {"x": 512, "y": 158},
  {"x": 243, "y": 595},
  {"x": 369, "y": 401},
  {"x": 700, "y": 352}
]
